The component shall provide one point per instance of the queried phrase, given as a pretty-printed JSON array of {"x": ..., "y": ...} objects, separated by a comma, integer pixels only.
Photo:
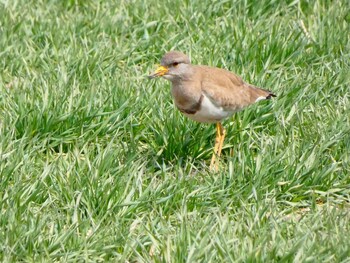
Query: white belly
[{"x": 209, "y": 113}]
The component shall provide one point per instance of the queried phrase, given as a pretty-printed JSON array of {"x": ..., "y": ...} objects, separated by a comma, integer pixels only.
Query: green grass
[{"x": 96, "y": 164}]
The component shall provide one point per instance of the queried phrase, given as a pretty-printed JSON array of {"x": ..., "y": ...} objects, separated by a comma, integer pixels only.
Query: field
[{"x": 97, "y": 164}]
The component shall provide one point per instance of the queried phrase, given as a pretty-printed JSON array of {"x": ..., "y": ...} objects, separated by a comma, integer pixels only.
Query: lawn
[{"x": 97, "y": 164}]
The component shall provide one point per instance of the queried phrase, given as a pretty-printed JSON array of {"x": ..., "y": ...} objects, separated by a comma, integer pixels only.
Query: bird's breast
[
  {"x": 208, "y": 112},
  {"x": 185, "y": 94},
  {"x": 194, "y": 104}
]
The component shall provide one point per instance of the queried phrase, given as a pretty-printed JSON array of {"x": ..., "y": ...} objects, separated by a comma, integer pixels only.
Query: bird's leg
[
  {"x": 213, "y": 162},
  {"x": 222, "y": 138}
]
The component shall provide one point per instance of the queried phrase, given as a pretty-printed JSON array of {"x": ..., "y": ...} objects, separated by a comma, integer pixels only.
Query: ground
[{"x": 97, "y": 164}]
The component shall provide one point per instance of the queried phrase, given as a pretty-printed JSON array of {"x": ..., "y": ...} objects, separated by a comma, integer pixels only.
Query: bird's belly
[{"x": 209, "y": 112}]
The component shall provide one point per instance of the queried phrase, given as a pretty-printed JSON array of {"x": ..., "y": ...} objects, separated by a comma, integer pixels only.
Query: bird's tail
[
  {"x": 257, "y": 93},
  {"x": 270, "y": 95}
]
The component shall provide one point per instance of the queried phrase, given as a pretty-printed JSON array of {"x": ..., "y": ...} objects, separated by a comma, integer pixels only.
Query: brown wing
[{"x": 228, "y": 90}]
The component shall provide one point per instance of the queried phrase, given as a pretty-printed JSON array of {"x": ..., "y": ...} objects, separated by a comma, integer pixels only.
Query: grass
[{"x": 96, "y": 164}]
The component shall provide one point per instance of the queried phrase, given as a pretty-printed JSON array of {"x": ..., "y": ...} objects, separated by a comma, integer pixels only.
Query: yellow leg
[
  {"x": 222, "y": 138},
  {"x": 216, "y": 147},
  {"x": 219, "y": 141}
]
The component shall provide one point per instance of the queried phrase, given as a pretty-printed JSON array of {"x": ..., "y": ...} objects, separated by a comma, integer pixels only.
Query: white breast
[{"x": 209, "y": 112}]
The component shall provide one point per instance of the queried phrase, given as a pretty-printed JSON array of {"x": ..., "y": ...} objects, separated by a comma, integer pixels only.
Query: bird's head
[{"x": 173, "y": 66}]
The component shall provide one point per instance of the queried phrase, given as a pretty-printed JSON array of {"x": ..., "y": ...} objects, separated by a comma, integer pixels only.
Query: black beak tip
[{"x": 152, "y": 76}]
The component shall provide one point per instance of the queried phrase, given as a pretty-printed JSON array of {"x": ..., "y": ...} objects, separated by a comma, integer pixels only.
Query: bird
[{"x": 207, "y": 94}]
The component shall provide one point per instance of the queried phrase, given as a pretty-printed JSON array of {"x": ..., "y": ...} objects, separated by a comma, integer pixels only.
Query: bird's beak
[{"x": 160, "y": 71}]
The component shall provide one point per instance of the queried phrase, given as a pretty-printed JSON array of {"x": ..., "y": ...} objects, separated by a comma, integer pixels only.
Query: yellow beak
[{"x": 160, "y": 71}]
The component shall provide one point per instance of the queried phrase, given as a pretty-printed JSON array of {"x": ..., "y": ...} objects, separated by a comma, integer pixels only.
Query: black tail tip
[{"x": 270, "y": 96}]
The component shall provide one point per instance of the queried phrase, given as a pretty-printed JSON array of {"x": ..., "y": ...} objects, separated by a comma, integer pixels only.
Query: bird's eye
[{"x": 175, "y": 64}]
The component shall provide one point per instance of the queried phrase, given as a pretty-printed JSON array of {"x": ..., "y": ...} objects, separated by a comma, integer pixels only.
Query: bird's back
[{"x": 227, "y": 90}]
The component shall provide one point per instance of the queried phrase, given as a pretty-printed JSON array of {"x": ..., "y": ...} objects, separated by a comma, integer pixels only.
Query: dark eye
[{"x": 175, "y": 64}]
